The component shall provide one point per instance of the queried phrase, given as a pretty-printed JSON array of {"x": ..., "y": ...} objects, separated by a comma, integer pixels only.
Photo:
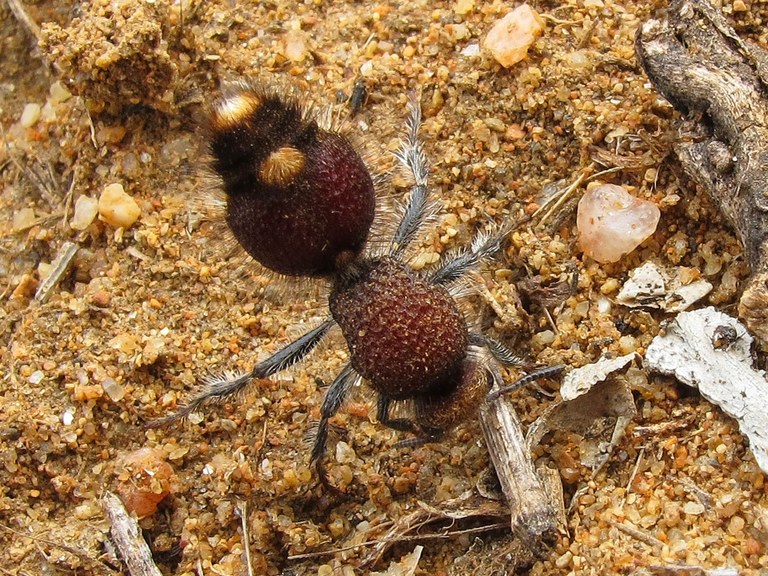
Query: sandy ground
[{"x": 143, "y": 313}]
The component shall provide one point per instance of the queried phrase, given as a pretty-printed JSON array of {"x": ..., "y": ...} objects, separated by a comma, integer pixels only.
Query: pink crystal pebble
[
  {"x": 612, "y": 222},
  {"x": 510, "y": 37}
]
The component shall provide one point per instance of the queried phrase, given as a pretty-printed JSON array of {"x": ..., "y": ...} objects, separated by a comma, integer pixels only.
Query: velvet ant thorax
[
  {"x": 405, "y": 336},
  {"x": 299, "y": 198}
]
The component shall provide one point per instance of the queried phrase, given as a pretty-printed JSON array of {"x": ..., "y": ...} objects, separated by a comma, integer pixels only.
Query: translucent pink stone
[
  {"x": 612, "y": 222},
  {"x": 510, "y": 37}
]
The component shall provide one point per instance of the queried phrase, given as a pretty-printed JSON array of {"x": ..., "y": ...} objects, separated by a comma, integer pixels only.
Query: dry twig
[
  {"x": 637, "y": 534},
  {"x": 127, "y": 536},
  {"x": 534, "y": 519},
  {"x": 20, "y": 13},
  {"x": 242, "y": 511}
]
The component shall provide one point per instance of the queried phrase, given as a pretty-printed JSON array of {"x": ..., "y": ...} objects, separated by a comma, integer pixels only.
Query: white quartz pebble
[
  {"x": 117, "y": 208},
  {"x": 612, "y": 222},
  {"x": 30, "y": 115},
  {"x": 86, "y": 209},
  {"x": 509, "y": 39}
]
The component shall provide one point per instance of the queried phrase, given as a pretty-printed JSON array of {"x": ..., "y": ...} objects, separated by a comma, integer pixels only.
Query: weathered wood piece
[
  {"x": 128, "y": 538},
  {"x": 720, "y": 82},
  {"x": 533, "y": 514}
]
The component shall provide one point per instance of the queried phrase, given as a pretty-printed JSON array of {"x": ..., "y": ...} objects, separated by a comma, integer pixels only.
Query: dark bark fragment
[{"x": 720, "y": 82}]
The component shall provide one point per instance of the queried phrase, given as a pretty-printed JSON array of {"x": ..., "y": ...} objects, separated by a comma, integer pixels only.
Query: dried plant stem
[
  {"x": 20, "y": 13},
  {"x": 127, "y": 536},
  {"x": 534, "y": 519}
]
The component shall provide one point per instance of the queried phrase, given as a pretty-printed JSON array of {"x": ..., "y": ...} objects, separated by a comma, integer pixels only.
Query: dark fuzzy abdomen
[
  {"x": 302, "y": 228},
  {"x": 438, "y": 413},
  {"x": 299, "y": 198}
]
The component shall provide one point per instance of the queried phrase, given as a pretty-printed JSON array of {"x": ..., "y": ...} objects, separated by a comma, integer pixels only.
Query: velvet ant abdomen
[{"x": 299, "y": 199}]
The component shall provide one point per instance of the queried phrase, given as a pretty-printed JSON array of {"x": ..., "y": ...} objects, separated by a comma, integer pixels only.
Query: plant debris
[
  {"x": 694, "y": 349},
  {"x": 671, "y": 290}
]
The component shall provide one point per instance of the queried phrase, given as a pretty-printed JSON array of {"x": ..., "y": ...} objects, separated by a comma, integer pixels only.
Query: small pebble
[
  {"x": 464, "y": 7},
  {"x": 30, "y": 115},
  {"x": 86, "y": 209},
  {"x": 345, "y": 454},
  {"x": 178, "y": 453},
  {"x": 111, "y": 134},
  {"x": 115, "y": 391},
  {"x": 578, "y": 60},
  {"x": 296, "y": 48},
  {"x": 336, "y": 528},
  {"x": 101, "y": 298},
  {"x": 83, "y": 393},
  {"x": 736, "y": 525},
  {"x": 144, "y": 480},
  {"x": 59, "y": 92},
  {"x": 25, "y": 288},
  {"x": 88, "y": 510},
  {"x": 366, "y": 68},
  {"x": 565, "y": 560},
  {"x": 542, "y": 339},
  {"x": 610, "y": 286},
  {"x": 509, "y": 39},
  {"x": 471, "y": 50},
  {"x": 23, "y": 219},
  {"x": 740, "y": 6},
  {"x": 68, "y": 416},
  {"x": 612, "y": 222},
  {"x": 627, "y": 344},
  {"x": 117, "y": 208},
  {"x": 694, "y": 508},
  {"x": 152, "y": 350},
  {"x": 424, "y": 259}
]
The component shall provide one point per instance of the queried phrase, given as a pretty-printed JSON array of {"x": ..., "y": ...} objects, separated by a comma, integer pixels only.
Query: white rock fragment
[
  {"x": 581, "y": 380},
  {"x": 59, "y": 92},
  {"x": 509, "y": 39},
  {"x": 612, "y": 222},
  {"x": 590, "y": 395},
  {"x": 345, "y": 454},
  {"x": 68, "y": 416},
  {"x": 405, "y": 567},
  {"x": 295, "y": 46},
  {"x": 650, "y": 286},
  {"x": 86, "y": 209},
  {"x": 693, "y": 350},
  {"x": 471, "y": 50},
  {"x": 114, "y": 390},
  {"x": 694, "y": 508},
  {"x": 265, "y": 467},
  {"x": 30, "y": 115},
  {"x": 23, "y": 219},
  {"x": 117, "y": 208},
  {"x": 366, "y": 69}
]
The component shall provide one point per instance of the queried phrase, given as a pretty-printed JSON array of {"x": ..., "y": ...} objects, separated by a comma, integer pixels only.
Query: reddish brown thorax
[{"x": 405, "y": 336}]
